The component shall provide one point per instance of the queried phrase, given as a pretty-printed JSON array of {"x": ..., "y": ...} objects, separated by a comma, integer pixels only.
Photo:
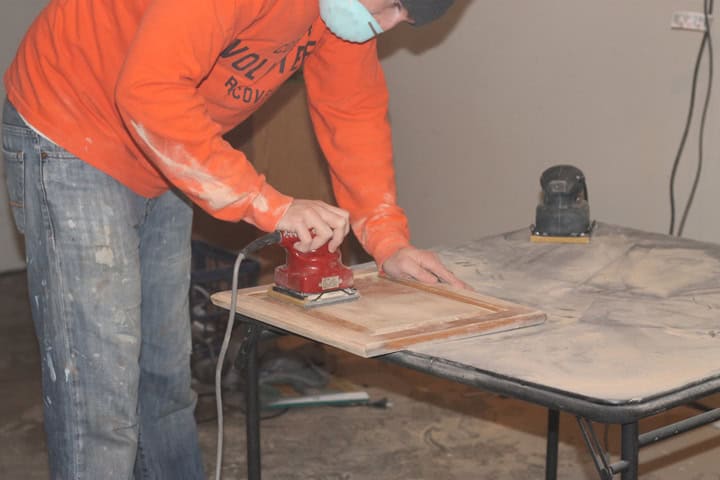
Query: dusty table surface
[{"x": 630, "y": 316}]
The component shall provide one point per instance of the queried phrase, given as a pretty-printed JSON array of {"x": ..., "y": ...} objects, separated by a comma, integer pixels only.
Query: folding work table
[{"x": 632, "y": 329}]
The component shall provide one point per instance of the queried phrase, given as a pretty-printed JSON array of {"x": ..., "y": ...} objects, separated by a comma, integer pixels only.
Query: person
[{"x": 112, "y": 127}]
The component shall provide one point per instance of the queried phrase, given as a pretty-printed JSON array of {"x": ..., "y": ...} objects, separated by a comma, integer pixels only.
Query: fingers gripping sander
[{"x": 313, "y": 278}]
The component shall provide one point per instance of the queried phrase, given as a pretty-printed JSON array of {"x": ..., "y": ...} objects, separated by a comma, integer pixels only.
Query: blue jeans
[{"x": 108, "y": 275}]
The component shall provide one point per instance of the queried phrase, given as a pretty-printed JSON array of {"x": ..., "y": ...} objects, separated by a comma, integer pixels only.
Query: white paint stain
[
  {"x": 199, "y": 180},
  {"x": 125, "y": 338},
  {"x": 105, "y": 256},
  {"x": 49, "y": 402},
  {"x": 359, "y": 229},
  {"x": 260, "y": 203},
  {"x": 280, "y": 211},
  {"x": 89, "y": 140},
  {"x": 359, "y": 224},
  {"x": 381, "y": 211},
  {"x": 37, "y": 302},
  {"x": 67, "y": 375},
  {"x": 51, "y": 367},
  {"x": 71, "y": 224}
]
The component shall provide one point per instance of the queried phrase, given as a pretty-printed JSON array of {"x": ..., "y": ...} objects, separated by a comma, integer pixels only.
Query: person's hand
[
  {"x": 315, "y": 223},
  {"x": 410, "y": 263}
]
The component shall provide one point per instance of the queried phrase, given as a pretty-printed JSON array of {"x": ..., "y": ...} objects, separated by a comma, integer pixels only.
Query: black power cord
[{"x": 706, "y": 42}]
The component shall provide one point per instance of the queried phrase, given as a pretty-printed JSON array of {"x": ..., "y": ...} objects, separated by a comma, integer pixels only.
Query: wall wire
[{"x": 706, "y": 42}]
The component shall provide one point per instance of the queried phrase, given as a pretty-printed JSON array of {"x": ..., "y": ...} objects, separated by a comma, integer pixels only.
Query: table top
[{"x": 631, "y": 317}]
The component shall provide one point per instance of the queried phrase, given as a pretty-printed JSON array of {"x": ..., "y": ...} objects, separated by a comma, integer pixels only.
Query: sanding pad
[
  {"x": 313, "y": 300},
  {"x": 552, "y": 239},
  {"x": 537, "y": 236}
]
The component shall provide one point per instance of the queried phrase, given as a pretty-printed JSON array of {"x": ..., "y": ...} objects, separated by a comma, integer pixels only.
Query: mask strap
[{"x": 375, "y": 33}]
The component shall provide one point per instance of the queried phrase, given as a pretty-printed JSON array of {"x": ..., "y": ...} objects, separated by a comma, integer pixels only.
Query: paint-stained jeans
[{"x": 108, "y": 275}]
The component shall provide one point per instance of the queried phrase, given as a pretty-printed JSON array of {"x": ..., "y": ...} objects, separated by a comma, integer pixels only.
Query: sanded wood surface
[{"x": 390, "y": 315}]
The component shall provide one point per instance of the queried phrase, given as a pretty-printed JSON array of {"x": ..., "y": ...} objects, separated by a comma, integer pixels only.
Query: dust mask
[{"x": 349, "y": 20}]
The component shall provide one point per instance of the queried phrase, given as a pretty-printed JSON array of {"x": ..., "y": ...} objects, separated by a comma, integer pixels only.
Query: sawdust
[
  {"x": 661, "y": 272},
  {"x": 631, "y": 315}
]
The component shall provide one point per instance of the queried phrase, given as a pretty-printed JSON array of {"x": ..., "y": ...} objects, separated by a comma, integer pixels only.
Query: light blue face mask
[{"x": 349, "y": 20}]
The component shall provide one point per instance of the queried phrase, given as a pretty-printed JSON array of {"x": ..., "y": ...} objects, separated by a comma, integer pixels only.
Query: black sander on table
[{"x": 563, "y": 214}]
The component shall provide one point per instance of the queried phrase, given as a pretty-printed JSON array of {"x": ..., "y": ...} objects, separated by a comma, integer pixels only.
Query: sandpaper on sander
[
  {"x": 312, "y": 279},
  {"x": 563, "y": 214}
]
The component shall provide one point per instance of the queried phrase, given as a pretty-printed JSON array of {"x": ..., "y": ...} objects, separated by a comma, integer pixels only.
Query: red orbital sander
[{"x": 312, "y": 279}]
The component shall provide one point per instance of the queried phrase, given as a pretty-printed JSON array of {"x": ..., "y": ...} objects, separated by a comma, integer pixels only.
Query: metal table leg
[
  {"x": 630, "y": 450},
  {"x": 252, "y": 399},
  {"x": 553, "y": 438}
]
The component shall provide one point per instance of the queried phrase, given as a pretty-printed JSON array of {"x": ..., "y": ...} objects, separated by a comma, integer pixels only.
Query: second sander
[{"x": 563, "y": 215}]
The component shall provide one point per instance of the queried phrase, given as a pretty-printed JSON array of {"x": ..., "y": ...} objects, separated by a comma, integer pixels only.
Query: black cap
[{"x": 425, "y": 11}]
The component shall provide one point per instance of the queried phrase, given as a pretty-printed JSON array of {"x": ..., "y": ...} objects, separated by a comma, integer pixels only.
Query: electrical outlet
[{"x": 689, "y": 21}]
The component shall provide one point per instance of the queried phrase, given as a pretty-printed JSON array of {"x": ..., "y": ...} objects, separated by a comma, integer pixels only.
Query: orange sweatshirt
[{"x": 144, "y": 90}]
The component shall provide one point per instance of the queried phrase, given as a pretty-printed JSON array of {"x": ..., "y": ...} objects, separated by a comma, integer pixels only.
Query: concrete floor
[{"x": 434, "y": 429}]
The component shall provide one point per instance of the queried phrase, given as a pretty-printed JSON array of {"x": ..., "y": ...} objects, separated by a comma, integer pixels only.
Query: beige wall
[
  {"x": 15, "y": 17},
  {"x": 485, "y": 99},
  {"x": 488, "y": 97}
]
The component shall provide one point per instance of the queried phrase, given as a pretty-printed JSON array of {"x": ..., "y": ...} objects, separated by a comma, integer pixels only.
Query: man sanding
[{"x": 112, "y": 128}]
